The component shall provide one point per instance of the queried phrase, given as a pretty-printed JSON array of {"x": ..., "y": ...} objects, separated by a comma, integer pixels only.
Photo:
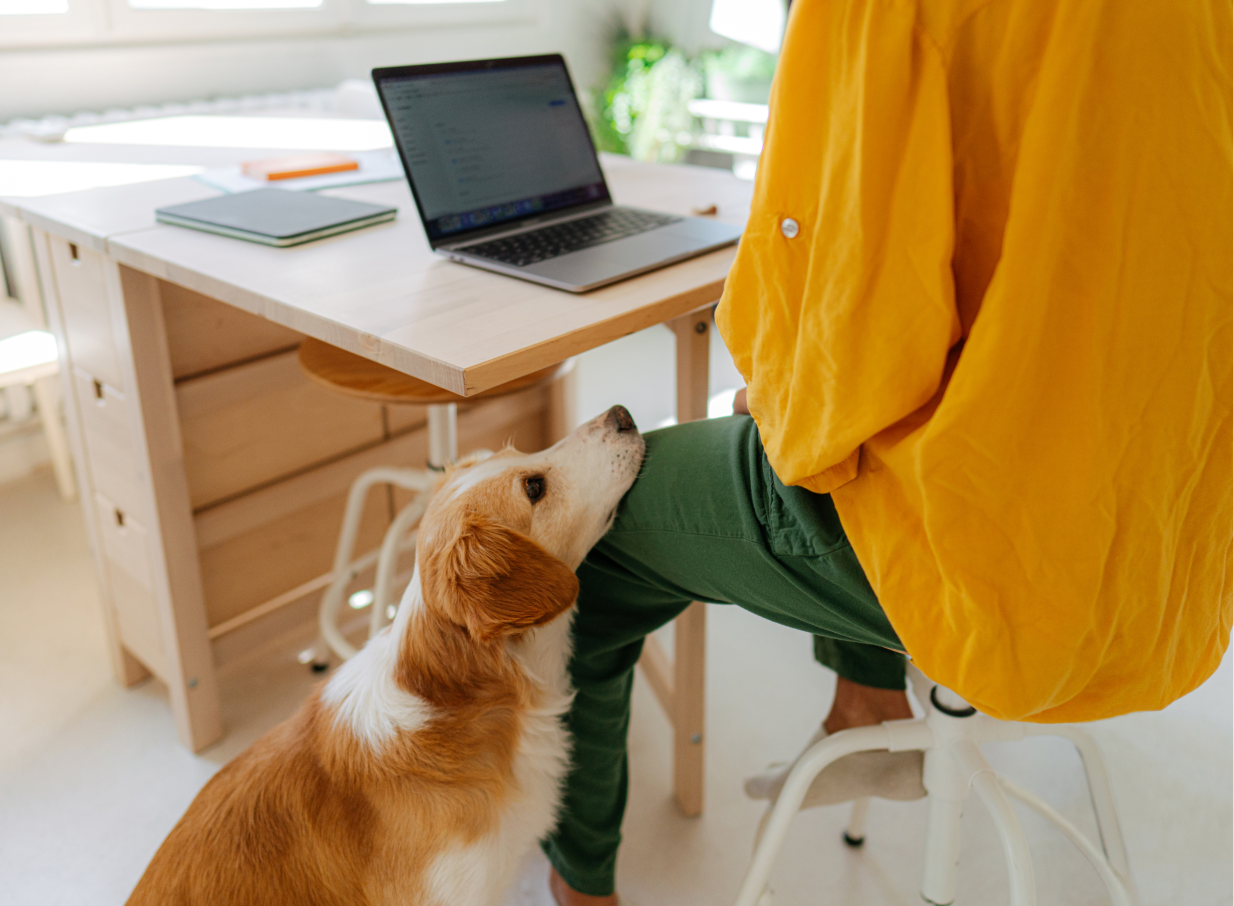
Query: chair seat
[
  {"x": 27, "y": 351},
  {"x": 354, "y": 375}
]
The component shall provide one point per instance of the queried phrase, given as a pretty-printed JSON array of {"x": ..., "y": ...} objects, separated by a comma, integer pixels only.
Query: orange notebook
[{"x": 295, "y": 165}]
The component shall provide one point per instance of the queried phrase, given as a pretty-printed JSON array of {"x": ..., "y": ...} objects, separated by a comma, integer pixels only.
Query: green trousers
[{"x": 707, "y": 520}]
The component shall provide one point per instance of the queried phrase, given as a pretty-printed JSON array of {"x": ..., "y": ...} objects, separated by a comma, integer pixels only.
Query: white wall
[
  {"x": 69, "y": 80},
  {"x": 684, "y": 22},
  {"x": 73, "y": 79}
]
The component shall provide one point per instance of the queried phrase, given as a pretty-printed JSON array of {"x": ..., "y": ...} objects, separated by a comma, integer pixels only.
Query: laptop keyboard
[{"x": 571, "y": 236}]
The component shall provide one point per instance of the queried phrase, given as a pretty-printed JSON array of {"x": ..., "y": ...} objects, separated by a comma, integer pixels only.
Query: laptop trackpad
[{"x": 593, "y": 265}]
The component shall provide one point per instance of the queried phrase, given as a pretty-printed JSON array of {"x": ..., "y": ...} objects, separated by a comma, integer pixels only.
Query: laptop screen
[{"x": 490, "y": 145}]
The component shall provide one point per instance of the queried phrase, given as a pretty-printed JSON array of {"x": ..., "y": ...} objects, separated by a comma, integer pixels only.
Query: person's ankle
[
  {"x": 856, "y": 705},
  {"x": 565, "y": 895}
]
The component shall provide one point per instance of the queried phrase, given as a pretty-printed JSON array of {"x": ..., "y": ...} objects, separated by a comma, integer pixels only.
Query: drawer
[
  {"x": 260, "y": 422},
  {"x": 204, "y": 334},
  {"x": 125, "y": 547},
  {"x": 107, "y": 427},
  {"x": 81, "y": 281}
]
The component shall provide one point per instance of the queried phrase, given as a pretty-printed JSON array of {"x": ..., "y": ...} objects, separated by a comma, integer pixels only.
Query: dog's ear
[{"x": 495, "y": 581}]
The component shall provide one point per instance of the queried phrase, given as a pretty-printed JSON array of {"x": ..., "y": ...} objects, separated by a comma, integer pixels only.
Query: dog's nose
[{"x": 619, "y": 417}]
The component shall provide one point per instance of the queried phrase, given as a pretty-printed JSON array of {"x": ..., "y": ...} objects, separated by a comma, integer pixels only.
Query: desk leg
[
  {"x": 127, "y": 670},
  {"x": 690, "y": 683},
  {"x": 690, "y": 629},
  {"x": 562, "y": 405},
  {"x": 173, "y": 538}
]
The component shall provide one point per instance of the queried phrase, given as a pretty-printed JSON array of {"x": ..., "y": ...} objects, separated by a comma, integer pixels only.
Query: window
[
  {"x": 33, "y": 7},
  {"x": 47, "y": 21},
  {"x": 52, "y": 22},
  {"x": 429, "y": 2},
  {"x": 759, "y": 23},
  {"x": 224, "y": 4}
]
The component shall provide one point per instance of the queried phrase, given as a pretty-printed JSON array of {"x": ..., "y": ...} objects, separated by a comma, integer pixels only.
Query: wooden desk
[{"x": 214, "y": 474}]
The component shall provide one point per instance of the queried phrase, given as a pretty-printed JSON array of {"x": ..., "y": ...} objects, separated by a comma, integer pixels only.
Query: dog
[{"x": 427, "y": 767}]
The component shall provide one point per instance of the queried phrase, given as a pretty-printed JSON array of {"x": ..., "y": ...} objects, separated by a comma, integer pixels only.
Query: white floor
[{"x": 91, "y": 777}]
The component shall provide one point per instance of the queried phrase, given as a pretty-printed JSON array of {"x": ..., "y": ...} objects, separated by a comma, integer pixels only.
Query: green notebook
[{"x": 275, "y": 216}]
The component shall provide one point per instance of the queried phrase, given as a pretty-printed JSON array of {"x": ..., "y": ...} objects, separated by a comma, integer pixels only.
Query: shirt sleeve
[{"x": 840, "y": 309}]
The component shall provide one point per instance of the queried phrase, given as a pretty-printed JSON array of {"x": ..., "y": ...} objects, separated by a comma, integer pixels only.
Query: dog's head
[{"x": 498, "y": 545}]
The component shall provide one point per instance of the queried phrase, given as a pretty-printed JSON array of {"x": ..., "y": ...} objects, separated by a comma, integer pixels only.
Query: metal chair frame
[
  {"x": 443, "y": 450},
  {"x": 950, "y": 735}
]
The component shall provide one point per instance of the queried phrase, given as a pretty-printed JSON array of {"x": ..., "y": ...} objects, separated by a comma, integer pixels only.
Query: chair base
[{"x": 949, "y": 735}]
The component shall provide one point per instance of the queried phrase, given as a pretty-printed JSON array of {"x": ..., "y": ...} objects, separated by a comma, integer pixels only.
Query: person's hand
[{"x": 739, "y": 403}]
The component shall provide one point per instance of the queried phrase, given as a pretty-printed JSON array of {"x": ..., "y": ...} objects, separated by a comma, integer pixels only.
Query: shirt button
[{"x": 789, "y": 228}]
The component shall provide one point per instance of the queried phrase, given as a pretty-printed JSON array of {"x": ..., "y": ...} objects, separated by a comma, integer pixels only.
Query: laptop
[{"x": 505, "y": 176}]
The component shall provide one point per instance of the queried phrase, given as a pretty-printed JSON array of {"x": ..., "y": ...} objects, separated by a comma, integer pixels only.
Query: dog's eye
[{"x": 534, "y": 487}]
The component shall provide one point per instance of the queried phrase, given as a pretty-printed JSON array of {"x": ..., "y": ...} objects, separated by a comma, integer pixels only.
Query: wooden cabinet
[
  {"x": 204, "y": 335},
  {"x": 110, "y": 439},
  {"x": 256, "y": 547},
  {"x": 125, "y": 548},
  {"x": 215, "y": 474},
  {"x": 256, "y": 423},
  {"x": 82, "y": 279}
]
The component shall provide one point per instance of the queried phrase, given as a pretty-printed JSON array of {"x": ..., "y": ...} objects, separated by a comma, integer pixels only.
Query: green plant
[
  {"x": 739, "y": 74},
  {"x": 742, "y": 63},
  {"x": 643, "y": 109}
]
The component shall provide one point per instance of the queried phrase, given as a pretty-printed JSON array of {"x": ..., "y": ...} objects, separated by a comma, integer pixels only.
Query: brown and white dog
[{"x": 426, "y": 768}]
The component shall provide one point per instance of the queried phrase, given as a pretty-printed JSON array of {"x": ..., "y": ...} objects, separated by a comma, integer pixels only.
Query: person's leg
[
  {"x": 870, "y": 680},
  {"x": 870, "y": 684},
  {"x": 617, "y": 610},
  {"x": 868, "y": 665},
  {"x": 706, "y": 520}
]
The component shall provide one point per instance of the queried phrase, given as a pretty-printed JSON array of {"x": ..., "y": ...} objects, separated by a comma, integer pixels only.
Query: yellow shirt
[{"x": 1000, "y": 333}]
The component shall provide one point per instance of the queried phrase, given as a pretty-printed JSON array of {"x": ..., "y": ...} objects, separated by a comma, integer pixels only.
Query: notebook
[{"x": 275, "y": 216}]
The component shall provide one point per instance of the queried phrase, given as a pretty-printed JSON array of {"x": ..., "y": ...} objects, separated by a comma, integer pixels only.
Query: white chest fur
[
  {"x": 478, "y": 874},
  {"x": 369, "y": 703},
  {"x": 366, "y": 698}
]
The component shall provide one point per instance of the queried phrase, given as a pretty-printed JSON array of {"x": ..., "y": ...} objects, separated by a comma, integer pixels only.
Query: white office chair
[
  {"x": 949, "y": 735},
  {"x": 28, "y": 357}
]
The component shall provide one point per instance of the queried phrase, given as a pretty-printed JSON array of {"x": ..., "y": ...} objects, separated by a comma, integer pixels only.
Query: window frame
[
  {"x": 171, "y": 25},
  {"x": 99, "y": 23},
  {"x": 84, "y": 22},
  {"x": 366, "y": 16}
]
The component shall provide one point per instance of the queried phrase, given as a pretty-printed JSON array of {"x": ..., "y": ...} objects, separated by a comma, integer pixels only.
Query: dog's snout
[{"x": 619, "y": 417}]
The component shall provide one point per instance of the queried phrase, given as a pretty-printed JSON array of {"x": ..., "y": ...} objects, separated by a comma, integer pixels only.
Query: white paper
[{"x": 375, "y": 166}]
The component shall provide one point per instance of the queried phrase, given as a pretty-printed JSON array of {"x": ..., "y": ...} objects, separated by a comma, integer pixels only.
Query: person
[{"x": 983, "y": 308}]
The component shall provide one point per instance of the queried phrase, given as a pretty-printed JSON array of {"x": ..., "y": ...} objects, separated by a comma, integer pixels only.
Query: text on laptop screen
[{"x": 485, "y": 147}]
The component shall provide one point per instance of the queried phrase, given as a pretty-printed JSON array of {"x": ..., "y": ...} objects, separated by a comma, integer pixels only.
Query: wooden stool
[{"x": 354, "y": 375}]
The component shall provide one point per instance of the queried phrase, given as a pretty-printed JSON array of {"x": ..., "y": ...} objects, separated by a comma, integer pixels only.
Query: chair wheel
[{"x": 854, "y": 842}]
